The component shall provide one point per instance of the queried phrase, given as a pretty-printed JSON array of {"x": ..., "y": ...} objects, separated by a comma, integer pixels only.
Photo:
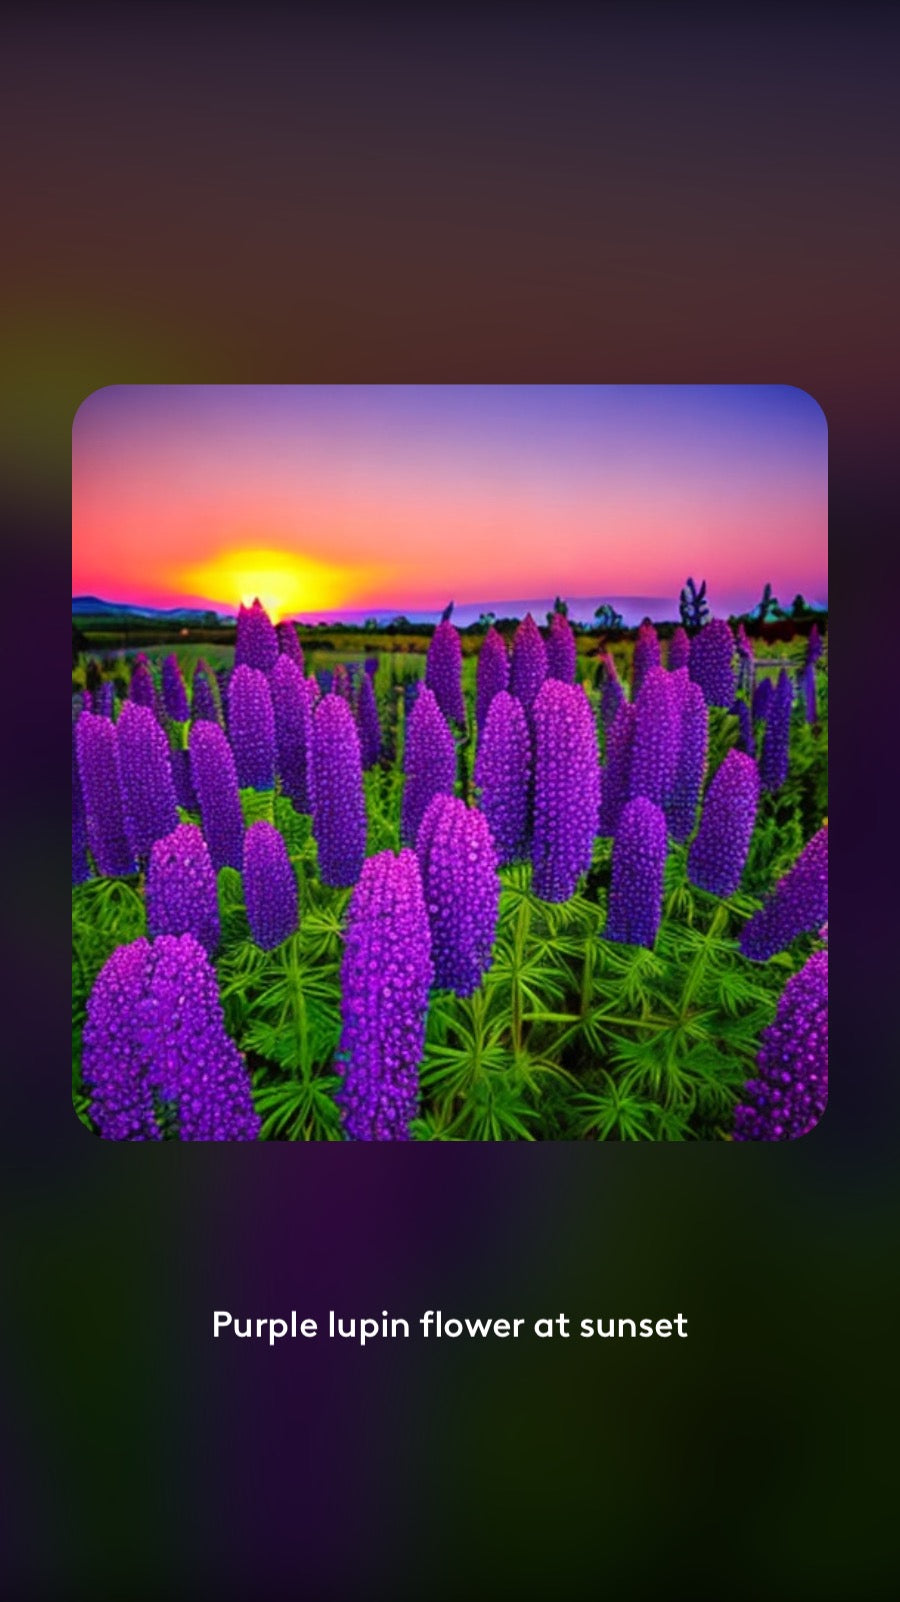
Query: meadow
[{"x": 451, "y": 886}]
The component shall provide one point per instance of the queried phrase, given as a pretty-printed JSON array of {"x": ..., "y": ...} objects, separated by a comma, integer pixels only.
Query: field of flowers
[{"x": 518, "y": 894}]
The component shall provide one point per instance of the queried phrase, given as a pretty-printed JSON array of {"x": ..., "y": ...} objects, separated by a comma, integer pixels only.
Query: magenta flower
[{"x": 458, "y": 866}]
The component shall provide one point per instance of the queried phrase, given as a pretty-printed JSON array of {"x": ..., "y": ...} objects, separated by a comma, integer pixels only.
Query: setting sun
[{"x": 284, "y": 582}]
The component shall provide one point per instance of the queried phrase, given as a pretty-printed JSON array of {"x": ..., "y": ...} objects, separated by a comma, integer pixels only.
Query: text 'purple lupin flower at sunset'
[
  {"x": 148, "y": 792},
  {"x": 787, "y": 1097},
  {"x": 174, "y": 693},
  {"x": 181, "y": 888},
  {"x": 492, "y": 674},
  {"x": 561, "y": 652},
  {"x": 97, "y": 752},
  {"x": 774, "y": 756},
  {"x": 528, "y": 668},
  {"x": 503, "y": 777},
  {"x": 443, "y": 671},
  {"x": 638, "y": 867},
  {"x": 256, "y": 643},
  {"x": 710, "y": 665},
  {"x": 292, "y": 710},
  {"x": 566, "y": 789},
  {"x": 338, "y": 797},
  {"x": 156, "y": 1058},
  {"x": 251, "y": 728},
  {"x": 386, "y": 975},
  {"x": 798, "y": 904},
  {"x": 215, "y": 782},
  {"x": 458, "y": 866},
  {"x": 270, "y": 886},
  {"x": 429, "y": 761},
  {"x": 719, "y": 851}
]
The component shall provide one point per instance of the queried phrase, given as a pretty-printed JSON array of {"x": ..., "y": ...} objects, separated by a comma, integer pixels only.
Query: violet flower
[
  {"x": 787, "y": 1097},
  {"x": 719, "y": 851},
  {"x": 566, "y": 789},
  {"x": 338, "y": 797},
  {"x": 443, "y": 672},
  {"x": 458, "y": 866},
  {"x": 270, "y": 886},
  {"x": 181, "y": 888}
]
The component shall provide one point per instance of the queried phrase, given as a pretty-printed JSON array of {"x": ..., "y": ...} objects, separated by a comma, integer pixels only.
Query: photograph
[{"x": 449, "y": 762}]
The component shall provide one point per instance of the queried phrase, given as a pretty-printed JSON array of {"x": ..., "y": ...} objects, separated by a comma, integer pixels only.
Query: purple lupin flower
[
  {"x": 638, "y": 866},
  {"x": 429, "y": 761},
  {"x": 292, "y": 710},
  {"x": 679, "y": 650},
  {"x": 215, "y": 781},
  {"x": 814, "y": 646},
  {"x": 746, "y": 660},
  {"x": 156, "y": 1055},
  {"x": 612, "y": 695},
  {"x": 807, "y": 686},
  {"x": 182, "y": 782},
  {"x": 762, "y": 699},
  {"x": 105, "y": 699},
  {"x": 654, "y": 752},
  {"x": 614, "y": 790},
  {"x": 270, "y": 886},
  {"x": 338, "y": 797},
  {"x": 251, "y": 728},
  {"x": 680, "y": 804},
  {"x": 458, "y": 865},
  {"x": 367, "y": 722},
  {"x": 528, "y": 668},
  {"x": 142, "y": 689},
  {"x": 719, "y": 851},
  {"x": 174, "y": 693},
  {"x": 646, "y": 656},
  {"x": 798, "y": 904},
  {"x": 741, "y": 711},
  {"x": 289, "y": 643},
  {"x": 203, "y": 697},
  {"x": 774, "y": 756},
  {"x": 386, "y": 975},
  {"x": 148, "y": 793},
  {"x": 223, "y": 679},
  {"x": 181, "y": 888},
  {"x": 561, "y": 650},
  {"x": 710, "y": 666},
  {"x": 443, "y": 671},
  {"x": 371, "y": 666},
  {"x": 492, "y": 675},
  {"x": 97, "y": 754},
  {"x": 81, "y": 868},
  {"x": 256, "y": 643},
  {"x": 503, "y": 776},
  {"x": 788, "y": 1096},
  {"x": 566, "y": 789}
]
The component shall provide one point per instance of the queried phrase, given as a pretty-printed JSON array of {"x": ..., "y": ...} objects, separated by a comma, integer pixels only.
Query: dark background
[{"x": 629, "y": 193}]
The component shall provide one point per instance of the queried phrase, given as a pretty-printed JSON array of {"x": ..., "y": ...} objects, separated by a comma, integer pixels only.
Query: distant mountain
[{"x": 92, "y": 606}]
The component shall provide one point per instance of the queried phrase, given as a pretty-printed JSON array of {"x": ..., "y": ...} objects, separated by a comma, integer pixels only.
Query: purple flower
[
  {"x": 746, "y": 661},
  {"x": 182, "y": 783},
  {"x": 371, "y": 666},
  {"x": 814, "y": 647},
  {"x": 788, "y": 1096},
  {"x": 215, "y": 781},
  {"x": 181, "y": 888},
  {"x": 174, "y": 693},
  {"x": 566, "y": 789},
  {"x": 638, "y": 865},
  {"x": 289, "y": 644},
  {"x": 807, "y": 685},
  {"x": 774, "y": 757},
  {"x": 680, "y": 804},
  {"x": 143, "y": 686},
  {"x": 762, "y": 699},
  {"x": 503, "y": 776},
  {"x": 617, "y": 770},
  {"x": 646, "y": 656},
  {"x": 654, "y": 753},
  {"x": 493, "y": 674},
  {"x": 251, "y": 728},
  {"x": 561, "y": 651},
  {"x": 203, "y": 698},
  {"x": 385, "y": 979},
  {"x": 105, "y": 699},
  {"x": 156, "y": 1056},
  {"x": 458, "y": 865},
  {"x": 223, "y": 679},
  {"x": 270, "y": 885},
  {"x": 340, "y": 683},
  {"x": 256, "y": 643},
  {"x": 429, "y": 761},
  {"x": 96, "y": 747},
  {"x": 338, "y": 797},
  {"x": 367, "y": 722},
  {"x": 148, "y": 793},
  {"x": 679, "y": 651},
  {"x": 712, "y": 653},
  {"x": 292, "y": 709},
  {"x": 528, "y": 668},
  {"x": 81, "y": 868},
  {"x": 718, "y": 854},
  {"x": 798, "y": 904},
  {"x": 612, "y": 695},
  {"x": 741, "y": 711},
  {"x": 443, "y": 672}
]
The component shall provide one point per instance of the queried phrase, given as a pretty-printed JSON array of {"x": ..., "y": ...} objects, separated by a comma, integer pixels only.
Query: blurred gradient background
[{"x": 635, "y": 193}]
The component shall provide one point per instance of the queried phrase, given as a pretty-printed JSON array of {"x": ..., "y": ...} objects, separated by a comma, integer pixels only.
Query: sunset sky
[{"x": 399, "y": 498}]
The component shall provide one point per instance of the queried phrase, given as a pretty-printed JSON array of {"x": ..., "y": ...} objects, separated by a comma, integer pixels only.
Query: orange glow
[{"x": 284, "y": 581}]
